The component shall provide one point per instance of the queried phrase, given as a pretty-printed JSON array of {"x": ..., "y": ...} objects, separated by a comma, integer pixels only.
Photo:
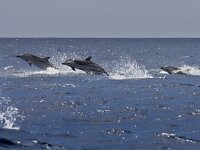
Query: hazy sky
[{"x": 99, "y": 18}]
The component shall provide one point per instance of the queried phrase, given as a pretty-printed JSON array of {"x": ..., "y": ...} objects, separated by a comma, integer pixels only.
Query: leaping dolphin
[
  {"x": 171, "y": 70},
  {"x": 42, "y": 63},
  {"x": 85, "y": 65}
]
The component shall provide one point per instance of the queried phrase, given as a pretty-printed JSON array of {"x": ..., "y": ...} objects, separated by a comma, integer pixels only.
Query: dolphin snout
[{"x": 19, "y": 55}]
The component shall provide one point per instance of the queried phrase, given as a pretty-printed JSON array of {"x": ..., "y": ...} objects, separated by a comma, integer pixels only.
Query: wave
[{"x": 179, "y": 138}]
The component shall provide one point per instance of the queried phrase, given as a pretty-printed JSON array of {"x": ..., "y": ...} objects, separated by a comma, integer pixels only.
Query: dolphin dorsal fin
[
  {"x": 46, "y": 58},
  {"x": 88, "y": 58}
]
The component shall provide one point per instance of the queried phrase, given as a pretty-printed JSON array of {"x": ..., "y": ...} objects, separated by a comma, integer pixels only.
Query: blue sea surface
[{"x": 138, "y": 106}]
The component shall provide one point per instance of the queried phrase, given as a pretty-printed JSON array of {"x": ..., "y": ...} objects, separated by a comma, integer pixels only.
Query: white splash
[
  {"x": 10, "y": 68},
  {"x": 48, "y": 71},
  {"x": 191, "y": 70},
  {"x": 8, "y": 118},
  {"x": 9, "y": 114},
  {"x": 163, "y": 72},
  {"x": 129, "y": 69},
  {"x": 59, "y": 57}
]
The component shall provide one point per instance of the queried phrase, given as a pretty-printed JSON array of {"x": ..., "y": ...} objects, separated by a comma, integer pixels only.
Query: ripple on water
[{"x": 178, "y": 137}]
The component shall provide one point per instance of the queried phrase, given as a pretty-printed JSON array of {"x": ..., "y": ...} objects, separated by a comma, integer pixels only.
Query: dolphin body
[
  {"x": 85, "y": 65},
  {"x": 171, "y": 70},
  {"x": 42, "y": 63}
]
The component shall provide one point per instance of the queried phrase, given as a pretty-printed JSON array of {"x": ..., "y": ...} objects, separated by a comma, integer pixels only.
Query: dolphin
[
  {"x": 85, "y": 65},
  {"x": 171, "y": 70},
  {"x": 42, "y": 63}
]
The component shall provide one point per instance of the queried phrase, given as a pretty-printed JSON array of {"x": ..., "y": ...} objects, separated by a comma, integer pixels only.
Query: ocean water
[{"x": 137, "y": 107}]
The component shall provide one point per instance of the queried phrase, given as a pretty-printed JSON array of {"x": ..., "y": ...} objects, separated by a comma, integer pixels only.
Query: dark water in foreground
[{"x": 137, "y": 107}]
